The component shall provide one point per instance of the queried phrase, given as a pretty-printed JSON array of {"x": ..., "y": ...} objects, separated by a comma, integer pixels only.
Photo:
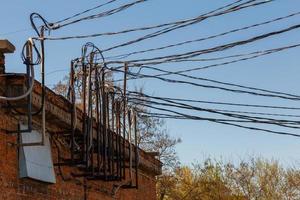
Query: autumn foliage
[{"x": 256, "y": 179}]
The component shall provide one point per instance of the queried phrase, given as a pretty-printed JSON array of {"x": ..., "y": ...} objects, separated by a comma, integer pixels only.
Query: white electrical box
[{"x": 35, "y": 162}]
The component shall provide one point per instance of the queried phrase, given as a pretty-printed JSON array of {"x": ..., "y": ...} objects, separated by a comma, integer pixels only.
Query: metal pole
[
  {"x": 136, "y": 152},
  {"x": 108, "y": 136},
  {"x": 113, "y": 133},
  {"x": 124, "y": 116},
  {"x": 29, "y": 98},
  {"x": 104, "y": 126},
  {"x": 72, "y": 98},
  {"x": 90, "y": 106},
  {"x": 98, "y": 120},
  {"x": 119, "y": 139},
  {"x": 84, "y": 110},
  {"x": 43, "y": 86},
  {"x": 129, "y": 140}
]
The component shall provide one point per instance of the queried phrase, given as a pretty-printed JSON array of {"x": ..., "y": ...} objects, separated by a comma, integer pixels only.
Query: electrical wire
[
  {"x": 199, "y": 39},
  {"x": 180, "y": 72},
  {"x": 154, "y": 27},
  {"x": 275, "y": 94},
  {"x": 280, "y": 122},
  {"x": 192, "y": 54},
  {"x": 221, "y": 83},
  {"x": 135, "y": 99},
  {"x": 190, "y": 22},
  {"x": 253, "y": 119},
  {"x": 104, "y": 14},
  {"x": 85, "y": 11},
  {"x": 227, "y": 122},
  {"x": 143, "y": 95},
  {"x": 14, "y": 32},
  {"x": 26, "y": 93},
  {"x": 135, "y": 29}
]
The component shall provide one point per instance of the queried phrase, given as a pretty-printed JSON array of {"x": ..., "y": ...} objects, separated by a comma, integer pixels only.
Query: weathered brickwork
[{"x": 67, "y": 187}]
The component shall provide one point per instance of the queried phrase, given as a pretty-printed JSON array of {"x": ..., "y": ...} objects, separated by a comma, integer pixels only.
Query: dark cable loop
[{"x": 24, "y": 57}]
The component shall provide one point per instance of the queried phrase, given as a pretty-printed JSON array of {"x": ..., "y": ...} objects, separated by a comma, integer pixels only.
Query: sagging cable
[{"x": 28, "y": 62}]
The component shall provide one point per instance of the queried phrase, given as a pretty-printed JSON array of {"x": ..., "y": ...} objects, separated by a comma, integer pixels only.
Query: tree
[
  {"x": 262, "y": 179},
  {"x": 203, "y": 182},
  {"x": 61, "y": 87},
  {"x": 256, "y": 179}
]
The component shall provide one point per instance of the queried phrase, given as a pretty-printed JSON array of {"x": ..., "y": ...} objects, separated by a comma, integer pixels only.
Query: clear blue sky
[{"x": 200, "y": 139}]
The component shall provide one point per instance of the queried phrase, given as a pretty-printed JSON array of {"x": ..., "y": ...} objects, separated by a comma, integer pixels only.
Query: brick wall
[
  {"x": 67, "y": 187},
  {"x": 13, "y": 188}
]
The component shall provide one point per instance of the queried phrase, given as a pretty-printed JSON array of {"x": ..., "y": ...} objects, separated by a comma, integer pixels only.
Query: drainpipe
[{"x": 5, "y": 47}]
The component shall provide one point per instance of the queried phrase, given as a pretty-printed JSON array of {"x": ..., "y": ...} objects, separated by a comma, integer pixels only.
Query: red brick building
[{"x": 58, "y": 117}]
